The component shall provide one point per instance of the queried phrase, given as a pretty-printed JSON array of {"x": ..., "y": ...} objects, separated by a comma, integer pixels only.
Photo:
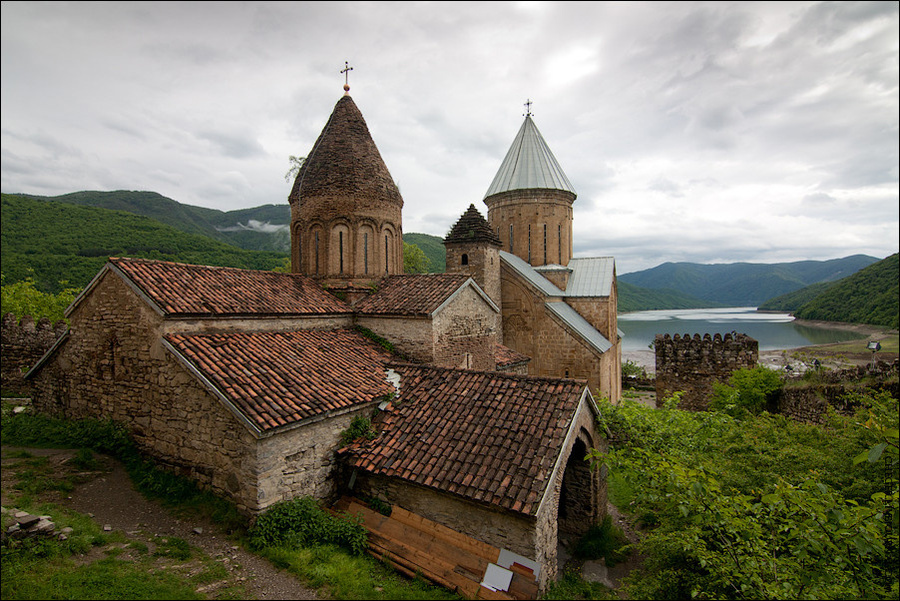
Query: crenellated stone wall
[
  {"x": 693, "y": 363},
  {"x": 23, "y": 344}
]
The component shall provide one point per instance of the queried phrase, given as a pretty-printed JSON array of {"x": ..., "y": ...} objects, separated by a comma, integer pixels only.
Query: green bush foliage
[
  {"x": 23, "y": 298},
  {"x": 604, "y": 541},
  {"x": 302, "y": 522},
  {"x": 749, "y": 390},
  {"x": 760, "y": 507}
]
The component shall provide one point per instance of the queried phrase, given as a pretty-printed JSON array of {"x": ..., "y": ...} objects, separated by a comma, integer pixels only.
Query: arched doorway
[{"x": 579, "y": 498}]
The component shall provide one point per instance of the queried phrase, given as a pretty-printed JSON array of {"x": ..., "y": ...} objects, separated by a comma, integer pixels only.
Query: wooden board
[{"x": 415, "y": 545}]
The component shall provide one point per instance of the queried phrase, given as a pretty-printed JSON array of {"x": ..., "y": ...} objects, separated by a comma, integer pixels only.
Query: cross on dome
[{"x": 346, "y": 71}]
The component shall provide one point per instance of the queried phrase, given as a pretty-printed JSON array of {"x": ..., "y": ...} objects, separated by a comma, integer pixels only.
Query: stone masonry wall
[
  {"x": 531, "y": 330},
  {"x": 529, "y": 212},
  {"x": 693, "y": 364},
  {"x": 465, "y": 332},
  {"x": 113, "y": 366},
  {"x": 301, "y": 461},
  {"x": 411, "y": 337},
  {"x": 482, "y": 263},
  {"x": 23, "y": 344},
  {"x": 810, "y": 402}
]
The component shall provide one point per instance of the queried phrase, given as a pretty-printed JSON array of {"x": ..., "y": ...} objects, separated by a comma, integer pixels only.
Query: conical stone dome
[
  {"x": 529, "y": 165},
  {"x": 530, "y": 201},
  {"x": 344, "y": 164},
  {"x": 346, "y": 223}
]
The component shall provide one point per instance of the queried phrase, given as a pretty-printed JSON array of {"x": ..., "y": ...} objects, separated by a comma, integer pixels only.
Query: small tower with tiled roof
[
  {"x": 345, "y": 208},
  {"x": 530, "y": 201},
  {"x": 474, "y": 249}
]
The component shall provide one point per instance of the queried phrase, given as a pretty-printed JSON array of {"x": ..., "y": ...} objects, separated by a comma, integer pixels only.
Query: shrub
[
  {"x": 602, "y": 540},
  {"x": 302, "y": 522},
  {"x": 748, "y": 391}
]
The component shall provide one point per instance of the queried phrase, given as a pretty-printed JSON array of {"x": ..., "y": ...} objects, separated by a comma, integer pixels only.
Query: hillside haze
[{"x": 56, "y": 242}]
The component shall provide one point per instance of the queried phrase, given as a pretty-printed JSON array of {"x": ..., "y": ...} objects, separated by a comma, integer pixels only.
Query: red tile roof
[
  {"x": 504, "y": 356},
  {"x": 411, "y": 294},
  {"x": 277, "y": 378},
  {"x": 486, "y": 436},
  {"x": 181, "y": 289}
]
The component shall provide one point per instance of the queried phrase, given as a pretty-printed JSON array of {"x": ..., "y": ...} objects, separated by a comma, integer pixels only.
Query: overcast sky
[{"x": 704, "y": 132}]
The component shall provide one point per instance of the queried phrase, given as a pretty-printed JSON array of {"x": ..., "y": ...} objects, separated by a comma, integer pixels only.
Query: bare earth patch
[{"x": 109, "y": 498}]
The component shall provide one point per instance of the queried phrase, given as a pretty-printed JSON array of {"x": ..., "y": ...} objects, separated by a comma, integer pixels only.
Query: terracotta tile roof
[
  {"x": 504, "y": 355},
  {"x": 411, "y": 294},
  {"x": 277, "y": 378},
  {"x": 181, "y": 289},
  {"x": 486, "y": 436}
]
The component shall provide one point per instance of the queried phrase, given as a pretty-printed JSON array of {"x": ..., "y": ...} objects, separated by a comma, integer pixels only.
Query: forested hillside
[
  {"x": 744, "y": 284},
  {"x": 433, "y": 247},
  {"x": 56, "y": 242},
  {"x": 258, "y": 228},
  {"x": 635, "y": 298},
  {"x": 870, "y": 296}
]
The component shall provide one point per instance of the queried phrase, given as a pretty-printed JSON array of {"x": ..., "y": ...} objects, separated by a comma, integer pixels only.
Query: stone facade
[
  {"x": 534, "y": 224},
  {"x": 481, "y": 261},
  {"x": 529, "y": 328},
  {"x": 115, "y": 366},
  {"x": 462, "y": 333},
  {"x": 24, "y": 342},
  {"x": 693, "y": 364}
]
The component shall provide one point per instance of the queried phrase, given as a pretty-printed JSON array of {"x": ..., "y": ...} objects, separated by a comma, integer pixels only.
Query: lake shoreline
[{"x": 779, "y": 358}]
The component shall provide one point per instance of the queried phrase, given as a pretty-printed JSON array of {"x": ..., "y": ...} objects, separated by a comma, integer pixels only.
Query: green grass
[
  {"x": 339, "y": 575},
  {"x": 572, "y": 586},
  {"x": 108, "y": 578}
]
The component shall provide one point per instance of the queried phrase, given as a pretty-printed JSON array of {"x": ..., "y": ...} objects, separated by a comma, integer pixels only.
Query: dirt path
[{"x": 112, "y": 501}]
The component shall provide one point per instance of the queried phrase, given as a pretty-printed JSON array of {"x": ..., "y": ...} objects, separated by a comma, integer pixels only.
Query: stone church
[{"x": 477, "y": 381}]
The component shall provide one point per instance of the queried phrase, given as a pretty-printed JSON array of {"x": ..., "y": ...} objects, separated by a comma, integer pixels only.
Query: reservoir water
[{"x": 773, "y": 331}]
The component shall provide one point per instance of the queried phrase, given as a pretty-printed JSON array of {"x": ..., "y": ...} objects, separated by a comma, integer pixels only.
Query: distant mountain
[
  {"x": 56, "y": 241},
  {"x": 261, "y": 228},
  {"x": 744, "y": 284},
  {"x": 635, "y": 298},
  {"x": 792, "y": 301},
  {"x": 871, "y": 296}
]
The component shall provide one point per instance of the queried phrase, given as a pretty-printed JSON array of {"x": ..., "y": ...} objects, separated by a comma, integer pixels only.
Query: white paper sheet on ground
[{"x": 496, "y": 578}]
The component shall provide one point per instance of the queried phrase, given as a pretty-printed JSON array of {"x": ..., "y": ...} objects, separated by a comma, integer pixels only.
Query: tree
[
  {"x": 23, "y": 298},
  {"x": 296, "y": 165},
  {"x": 414, "y": 260}
]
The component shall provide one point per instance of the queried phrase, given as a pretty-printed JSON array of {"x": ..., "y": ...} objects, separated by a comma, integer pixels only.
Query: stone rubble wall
[
  {"x": 693, "y": 364},
  {"x": 834, "y": 389},
  {"x": 23, "y": 344}
]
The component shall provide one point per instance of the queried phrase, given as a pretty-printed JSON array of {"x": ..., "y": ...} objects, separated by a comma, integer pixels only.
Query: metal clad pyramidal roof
[{"x": 529, "y": 165}]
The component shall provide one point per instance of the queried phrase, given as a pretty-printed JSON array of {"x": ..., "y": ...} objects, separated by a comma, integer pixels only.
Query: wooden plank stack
[{"x": 414, "y": 545}]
